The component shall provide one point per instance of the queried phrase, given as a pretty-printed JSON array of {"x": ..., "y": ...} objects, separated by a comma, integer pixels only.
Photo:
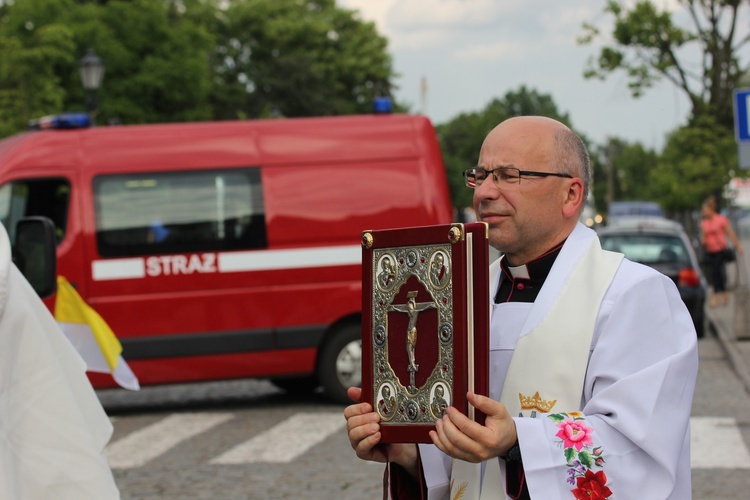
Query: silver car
[{"x": 664, "y": 245}]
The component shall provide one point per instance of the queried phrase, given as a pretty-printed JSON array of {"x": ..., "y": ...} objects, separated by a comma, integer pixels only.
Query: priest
[
  {"x": 593, "y": 358},
  {"x": 53, "y": 429}
]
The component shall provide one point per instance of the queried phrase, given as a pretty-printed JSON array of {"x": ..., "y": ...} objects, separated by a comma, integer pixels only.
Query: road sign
[
  {"x": 742, "y": 126},
  {"x": 741, "y": 115}
]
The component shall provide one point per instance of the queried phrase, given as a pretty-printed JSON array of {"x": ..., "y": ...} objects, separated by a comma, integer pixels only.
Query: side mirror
[{"x": 34, "y": 253}]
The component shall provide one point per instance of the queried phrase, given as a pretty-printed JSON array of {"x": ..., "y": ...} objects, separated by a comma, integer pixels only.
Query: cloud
[
  {"x": 371, "y": 10},
  {"x": 472, "y": 51},
  {"x": 432, "y": 14},
  {"x": 488, "y": 52}
]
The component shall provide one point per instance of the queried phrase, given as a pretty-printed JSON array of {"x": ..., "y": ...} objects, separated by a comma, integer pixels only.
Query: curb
[{"x": 726, "y": 339}]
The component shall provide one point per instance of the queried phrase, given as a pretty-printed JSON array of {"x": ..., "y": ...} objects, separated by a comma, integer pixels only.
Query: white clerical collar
[{"x": 519, "y": 272}]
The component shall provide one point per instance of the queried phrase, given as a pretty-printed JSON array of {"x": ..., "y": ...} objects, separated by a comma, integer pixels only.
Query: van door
[
  {"x": 159, "y": 276},
  {"x": 55, "y": 195}
]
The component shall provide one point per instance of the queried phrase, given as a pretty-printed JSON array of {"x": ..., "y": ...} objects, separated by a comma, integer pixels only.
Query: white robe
[
  {"x": 637, "y": 394},
  {"x": 52, "y": 427}
]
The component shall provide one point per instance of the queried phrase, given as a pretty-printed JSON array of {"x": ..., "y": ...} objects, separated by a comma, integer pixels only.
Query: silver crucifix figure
[{"x": 412, "y": 309}]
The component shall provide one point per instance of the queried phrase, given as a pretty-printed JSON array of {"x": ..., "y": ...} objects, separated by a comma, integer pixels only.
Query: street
[{"x": 247, "y": 440}]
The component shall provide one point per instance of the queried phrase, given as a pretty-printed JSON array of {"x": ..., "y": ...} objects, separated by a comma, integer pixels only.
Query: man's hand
[
  {"x": 363, "y": 426},
  {"x": 458, "y": 436}
]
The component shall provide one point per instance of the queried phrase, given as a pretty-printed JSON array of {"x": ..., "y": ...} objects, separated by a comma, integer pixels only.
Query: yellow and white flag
[{"x": 91, "y": 336}]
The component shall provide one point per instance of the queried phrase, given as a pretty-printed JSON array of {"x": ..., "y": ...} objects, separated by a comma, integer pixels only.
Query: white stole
[{"x": 549, "y": 364}]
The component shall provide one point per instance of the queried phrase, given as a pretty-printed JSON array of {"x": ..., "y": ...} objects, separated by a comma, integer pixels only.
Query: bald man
[{"x": 593, "y": 358}]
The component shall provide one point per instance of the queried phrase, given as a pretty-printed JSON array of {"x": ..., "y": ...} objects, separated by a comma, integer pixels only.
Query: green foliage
[
  {"x": 632, "y": 167},
  {"x": 156, "y": 62},
  {"x": 34, "y": 47},
  {"x": 702, "y": 60},
  {"x": 698, "y": 160},
  {"x": 461, "y": 138},
  {"x": 297, "y": 58},
  {"x": 186, "y": 60}
]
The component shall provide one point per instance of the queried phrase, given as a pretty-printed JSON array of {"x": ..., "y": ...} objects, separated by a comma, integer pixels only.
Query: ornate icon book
[{"x": 425, "y": 325}]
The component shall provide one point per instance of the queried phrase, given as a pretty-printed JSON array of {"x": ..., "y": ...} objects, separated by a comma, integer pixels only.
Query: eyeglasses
[{"x": 504, "y": 175}]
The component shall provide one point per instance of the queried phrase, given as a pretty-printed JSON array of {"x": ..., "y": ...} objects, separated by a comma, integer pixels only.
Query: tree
[
  {"x": 628, "y": 171},
  {"x": 34, "y": 47},
  {"x": 695, "y": 163},
  {"x": 189, "y": 60},
  {"x": 701, "y": 59},
  {"x": 461, "y": 138},
  {"x": 296, "y": 58},
  {"x": 156, "y": 60}
]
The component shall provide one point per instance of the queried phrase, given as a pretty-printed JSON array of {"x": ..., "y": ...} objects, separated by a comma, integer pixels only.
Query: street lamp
[{"x": 91, "y": 68}]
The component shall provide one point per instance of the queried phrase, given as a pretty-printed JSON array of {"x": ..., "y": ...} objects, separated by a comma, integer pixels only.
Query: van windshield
[{"x": 36, "y": 197}]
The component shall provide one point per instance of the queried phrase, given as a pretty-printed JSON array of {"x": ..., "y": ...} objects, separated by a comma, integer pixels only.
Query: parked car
[{"x": 663, "y": 245}]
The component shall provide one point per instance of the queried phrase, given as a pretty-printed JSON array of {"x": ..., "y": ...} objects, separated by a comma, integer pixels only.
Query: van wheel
[
  {"x": 340, "y": 363},
  {"x": 297, "y": 386}
]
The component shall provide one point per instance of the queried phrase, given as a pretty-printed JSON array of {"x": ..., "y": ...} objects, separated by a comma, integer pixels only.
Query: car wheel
[{"x": 340, "y": 363}]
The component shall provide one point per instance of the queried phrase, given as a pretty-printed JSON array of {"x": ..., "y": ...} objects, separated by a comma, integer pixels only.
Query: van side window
[
  {"x": 179, "y": 212},
  {"x": 35, "y": 197}
]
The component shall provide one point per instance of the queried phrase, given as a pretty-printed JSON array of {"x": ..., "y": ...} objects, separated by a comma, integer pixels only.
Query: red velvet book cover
[{"x": 425, "y": 325}]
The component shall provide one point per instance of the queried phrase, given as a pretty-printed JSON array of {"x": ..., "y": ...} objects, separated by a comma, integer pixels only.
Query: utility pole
[{"x": 610, "y": 166}]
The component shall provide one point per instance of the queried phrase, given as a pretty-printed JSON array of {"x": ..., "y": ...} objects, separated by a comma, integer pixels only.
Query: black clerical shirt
[{"x": 522, "y": 283}]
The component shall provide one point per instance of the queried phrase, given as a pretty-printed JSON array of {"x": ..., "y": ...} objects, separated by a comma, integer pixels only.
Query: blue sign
[{"x": 741, "y": 115}]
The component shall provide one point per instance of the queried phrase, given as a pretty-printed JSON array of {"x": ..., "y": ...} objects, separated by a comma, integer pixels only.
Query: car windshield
[{"x": 648, "y": 248}]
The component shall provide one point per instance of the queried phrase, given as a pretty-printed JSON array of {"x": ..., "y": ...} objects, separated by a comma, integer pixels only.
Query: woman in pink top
[{"x": 715, "y": 228}]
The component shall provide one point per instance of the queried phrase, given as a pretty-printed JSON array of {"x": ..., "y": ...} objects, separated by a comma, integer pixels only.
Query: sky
[{"x": 472, "y": 51}]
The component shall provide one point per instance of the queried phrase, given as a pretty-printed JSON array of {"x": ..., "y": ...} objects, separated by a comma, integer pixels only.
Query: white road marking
[
  {"x": 142, "y": 446},
  {"x": 285, "y": 441},
  {"x": 716, "y": 443}
]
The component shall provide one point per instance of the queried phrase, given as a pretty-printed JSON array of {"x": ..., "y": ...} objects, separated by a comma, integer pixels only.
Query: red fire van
[{"x": 227, "y": 249}]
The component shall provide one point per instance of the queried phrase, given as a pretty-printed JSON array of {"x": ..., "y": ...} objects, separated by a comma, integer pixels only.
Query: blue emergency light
[
  {"x": 382, "y": 105},
  {"x": 61, "y": 122}
]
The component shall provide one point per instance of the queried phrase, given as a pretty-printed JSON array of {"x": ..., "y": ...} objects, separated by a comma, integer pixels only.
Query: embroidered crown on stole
[{"x": 535, "y": 403}]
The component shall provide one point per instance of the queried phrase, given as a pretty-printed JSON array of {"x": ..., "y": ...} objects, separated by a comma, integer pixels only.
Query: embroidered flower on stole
[
  {"x": 592, "y": 486},
  {"x": 574, "y": 433},
  {"x": 576, "y": 438}
]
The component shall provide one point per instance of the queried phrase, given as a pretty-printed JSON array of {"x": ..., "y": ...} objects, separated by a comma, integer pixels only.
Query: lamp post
[{"x": 91, "y": 68}]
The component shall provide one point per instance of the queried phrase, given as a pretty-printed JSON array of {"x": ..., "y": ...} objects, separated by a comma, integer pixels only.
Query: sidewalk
[{"x": 731, "y": 323}]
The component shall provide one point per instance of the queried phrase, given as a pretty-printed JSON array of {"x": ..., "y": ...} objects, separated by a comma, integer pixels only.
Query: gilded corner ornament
[
  {"x": 367, "y": 239},
  {"x": 454, "y": 235}
]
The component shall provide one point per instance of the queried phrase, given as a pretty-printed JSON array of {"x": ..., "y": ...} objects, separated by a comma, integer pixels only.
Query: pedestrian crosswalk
[
  {"x": 286, "y": 441},
  {"x": 140, "y": 447},
  {"x": 716, "y": 442}
]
